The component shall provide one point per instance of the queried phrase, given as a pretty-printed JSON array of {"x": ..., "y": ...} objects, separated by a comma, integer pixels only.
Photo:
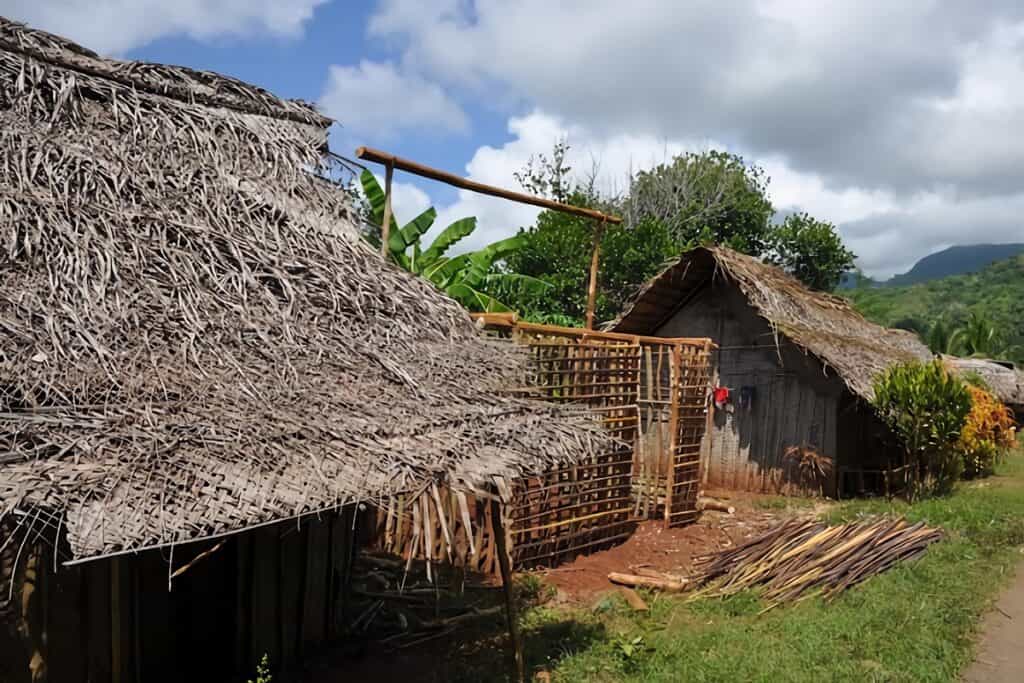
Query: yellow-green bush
[{"x": 988, "y": 433}]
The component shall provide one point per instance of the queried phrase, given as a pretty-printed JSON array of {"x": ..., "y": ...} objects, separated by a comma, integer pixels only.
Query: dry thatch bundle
[
  {"x": 824, "y": 325},
  {"x": 194, "y": 340},
  {"x": 1005, "y": 381},
  {"x": 801, "y": 558}
]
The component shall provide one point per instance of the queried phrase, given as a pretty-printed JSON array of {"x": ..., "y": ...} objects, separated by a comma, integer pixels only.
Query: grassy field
[{"x": 914, "y": 623}]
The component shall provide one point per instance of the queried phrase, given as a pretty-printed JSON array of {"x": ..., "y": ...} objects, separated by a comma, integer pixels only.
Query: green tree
[
  {"x": 708, "y": 197},
  {"x": 469, "y": 278},
  {"x": 811, "y": 250},
  {"x": 557, "y": 250},
  {"x": 549, "y": 176}
]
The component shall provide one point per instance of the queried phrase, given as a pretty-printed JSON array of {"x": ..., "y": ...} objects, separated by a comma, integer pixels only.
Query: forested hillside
[
  {"x": 958, "y": 260},
  {"x": 995, "y": 293}
]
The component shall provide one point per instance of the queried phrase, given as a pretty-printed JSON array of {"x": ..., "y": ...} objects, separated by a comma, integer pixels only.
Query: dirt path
[{"x": 1000, "y": 650}]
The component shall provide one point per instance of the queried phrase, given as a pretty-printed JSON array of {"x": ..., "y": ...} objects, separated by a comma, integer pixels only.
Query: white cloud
[
  {"x": 116, "y": 26},
  {"x": 867, "y": 113},
  {"x": 610, "y": 157},
  {"x": 376, "y": 100}
]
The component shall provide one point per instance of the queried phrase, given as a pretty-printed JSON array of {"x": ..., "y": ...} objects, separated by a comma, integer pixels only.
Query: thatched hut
[
  {"x": 1004, "y": 380},
  {"x": 798, "y": 366},
  {"x": 196, "y": 344}
]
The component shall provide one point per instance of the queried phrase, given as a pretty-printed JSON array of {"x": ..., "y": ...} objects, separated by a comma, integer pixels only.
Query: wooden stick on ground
[
  {"x": 669, "y": 584},
  {"x": 704, "y": 503},
  {"x": 498, "y": 529}
]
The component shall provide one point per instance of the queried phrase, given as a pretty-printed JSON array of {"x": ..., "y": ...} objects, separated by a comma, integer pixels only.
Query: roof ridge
[{"x": 106, "y": 69}]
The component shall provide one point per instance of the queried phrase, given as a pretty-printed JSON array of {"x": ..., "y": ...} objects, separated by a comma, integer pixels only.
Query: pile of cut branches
[{"x": 801, "y": 558}]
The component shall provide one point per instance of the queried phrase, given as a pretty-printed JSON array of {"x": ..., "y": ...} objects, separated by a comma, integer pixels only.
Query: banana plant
[{"x": 466, "y": 277}]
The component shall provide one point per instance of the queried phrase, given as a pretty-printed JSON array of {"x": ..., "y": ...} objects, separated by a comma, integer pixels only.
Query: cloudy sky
[{"x": 901, "y": 122}]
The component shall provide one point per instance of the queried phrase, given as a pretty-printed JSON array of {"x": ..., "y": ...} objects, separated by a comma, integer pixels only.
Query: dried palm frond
[
  {"x": 193, "y": 337},
  {"x": 812, "y": 465}
]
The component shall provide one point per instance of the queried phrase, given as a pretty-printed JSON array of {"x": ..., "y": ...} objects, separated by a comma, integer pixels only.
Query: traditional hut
[
  {"x": 795, "y": 369},
  {"x": 1004, "y": 380},
  {"x": 195, "y": 343}
]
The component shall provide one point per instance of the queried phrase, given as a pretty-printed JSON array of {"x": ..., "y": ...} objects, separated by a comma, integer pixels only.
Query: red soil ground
[
  {"x": 579, "y": 583},
  {"x": 653, "y": 547}
]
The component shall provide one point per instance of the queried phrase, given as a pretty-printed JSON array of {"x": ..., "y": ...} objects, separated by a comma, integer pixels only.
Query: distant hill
[
  {"x": 958, "y": 260},
  {"x": 955, "y": 261},
  {"x": 995, "y": 291}
]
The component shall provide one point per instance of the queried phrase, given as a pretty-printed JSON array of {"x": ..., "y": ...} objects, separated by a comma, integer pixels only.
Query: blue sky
[
  {"x": 296, "y": 67},
  {"x": 898, "y": 122}
]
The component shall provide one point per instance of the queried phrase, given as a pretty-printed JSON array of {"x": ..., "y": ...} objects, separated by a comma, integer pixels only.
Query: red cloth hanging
[{"x": 721, "y": 396}]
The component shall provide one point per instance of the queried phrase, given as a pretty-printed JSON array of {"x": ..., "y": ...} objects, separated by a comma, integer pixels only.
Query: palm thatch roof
[
  {"x": 194, "y": 340},
  {"x": 1005, "y": 381},
  {"x": 824, "y": 325}
]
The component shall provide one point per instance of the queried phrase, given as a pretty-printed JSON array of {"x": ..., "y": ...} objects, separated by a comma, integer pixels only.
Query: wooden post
[
  {"x": 709, "y": 417},
  {"x": 498, "y": 527},
  {"x": 673, "y": 432},
  {"x": 116, "y": 632},
  {"x": 592, "y": 287},
  {"x": 385, "y": 225}
]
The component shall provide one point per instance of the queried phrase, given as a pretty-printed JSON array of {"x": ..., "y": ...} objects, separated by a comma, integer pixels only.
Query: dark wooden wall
[
  {"x": 796, "y": 403},
  {"x": 277, "y": 590}
]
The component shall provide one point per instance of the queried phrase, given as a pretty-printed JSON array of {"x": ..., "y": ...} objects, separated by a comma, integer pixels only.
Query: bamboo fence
[{"x": 649, "y": 393}]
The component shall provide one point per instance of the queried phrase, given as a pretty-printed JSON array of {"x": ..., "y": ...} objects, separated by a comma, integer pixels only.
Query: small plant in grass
[
  {"x": 925, "y": 406},
  {"x": 263, "y": 671},
  {"x": 987, "y": 435},
  {"x": 629, "y": 650},
  {"x": 532, "y": 590}
]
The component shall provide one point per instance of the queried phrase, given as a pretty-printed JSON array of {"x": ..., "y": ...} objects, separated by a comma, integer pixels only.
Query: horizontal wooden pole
[
  {"x": 511, "y": 320},
  {"x": 380, "y": 157}
]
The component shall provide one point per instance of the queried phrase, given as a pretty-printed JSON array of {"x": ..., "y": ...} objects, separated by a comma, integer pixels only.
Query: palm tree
[
  {"x": 463, "y": 277},
  {"x": 977, "y": 337},
  {"x": 940, "y": 337}
]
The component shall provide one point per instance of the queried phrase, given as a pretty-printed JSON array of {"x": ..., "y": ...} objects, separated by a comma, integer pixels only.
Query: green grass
[
  {"x": 914, "y": 623},
  {"x": 782, "y": 503}
]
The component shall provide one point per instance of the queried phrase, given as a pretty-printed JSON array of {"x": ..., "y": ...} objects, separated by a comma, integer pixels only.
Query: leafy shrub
[
  {"x": 263, "y": 671},
  {"x": 987, "y": 434},
  {"x": 925, "y": 406}
]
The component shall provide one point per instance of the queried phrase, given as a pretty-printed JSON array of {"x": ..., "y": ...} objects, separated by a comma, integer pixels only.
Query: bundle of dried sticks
[{"x": 801, "y": 558}]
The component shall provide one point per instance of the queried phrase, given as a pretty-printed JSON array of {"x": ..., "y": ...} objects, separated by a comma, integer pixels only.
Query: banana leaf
[
  {"x": 452, "y": 234},
  {"x": 375, "y": 196},
  {"x": 446, "y": 271},
  {"x": 475, "y": 300},
  {"x": 400, "y": 240}
]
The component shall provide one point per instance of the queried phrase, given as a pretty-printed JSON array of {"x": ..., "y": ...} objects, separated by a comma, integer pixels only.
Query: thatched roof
[
  {"x": 194, "y": 340},
  {"x": 1005, "y": 381},
  {"x": 824, "y": 325}
]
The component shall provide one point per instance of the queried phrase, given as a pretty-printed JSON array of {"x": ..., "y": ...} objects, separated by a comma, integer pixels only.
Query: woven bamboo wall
[
  {"x": 590, "y": 505},
  {"x": 690, "y": 414}
]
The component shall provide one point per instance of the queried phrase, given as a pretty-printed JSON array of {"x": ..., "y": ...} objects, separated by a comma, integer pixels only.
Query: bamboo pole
[
  {"x": 595, "y": 256},
  {"x": 385, "y": 226},
  {"x": 380, "y": 157},
  {"x": 498, "y": 529},
  {"x": 673, "y": 432}
]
